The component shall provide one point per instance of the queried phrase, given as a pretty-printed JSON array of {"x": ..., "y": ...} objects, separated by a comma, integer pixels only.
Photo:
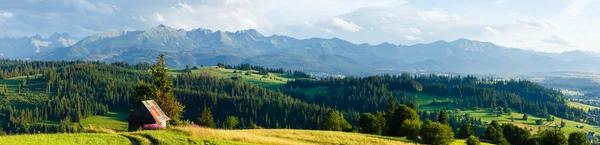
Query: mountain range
[
  {"x": 332, "y": 56},
  {"x": 25, "y": 47}
]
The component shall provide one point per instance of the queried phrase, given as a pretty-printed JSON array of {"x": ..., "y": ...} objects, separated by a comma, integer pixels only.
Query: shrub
[
  {"x": 539, "y": 122},
  {"x": 472, "y": 140},
  {"x": 411, "y": 128},
  {"x": 153, "y": 127},
  {"x": 436, "y": 133}
]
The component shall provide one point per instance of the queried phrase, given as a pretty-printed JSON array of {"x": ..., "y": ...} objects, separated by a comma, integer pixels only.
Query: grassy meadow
[
  {"x": 111, "y": 120},
  {"x": 65, "y": 139},
  {"x": 273, "y": 79},
  {"x": 582, "y": 106}
]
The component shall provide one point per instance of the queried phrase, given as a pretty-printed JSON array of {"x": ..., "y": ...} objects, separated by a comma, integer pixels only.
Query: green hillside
[{"x": 206, "y": 136}]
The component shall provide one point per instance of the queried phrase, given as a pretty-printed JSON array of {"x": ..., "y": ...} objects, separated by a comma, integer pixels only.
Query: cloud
[
  {"x": 537, "y": 24},
  {"x": 555, "y": 39},
  {"x": 38, "y": 44},
  {"x": 185, "y": 7},
  {"x": 328, "y": 31},
  {"x": 6, "y": 14},
  {"x": 412, "y": 38},
  {"x": 1, "y": 54},
  {"x": 415, "y": 31},
  {"x": 86, "y": 6},
  {"x": 490, "y": 30},
  {"x": 438, "y": 16},
  {"x": 347, "y": 26},
  {"x": 160, "y": 17}
]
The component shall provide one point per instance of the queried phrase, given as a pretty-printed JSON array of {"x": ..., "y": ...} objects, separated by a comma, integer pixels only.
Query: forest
[{"x": 52, "y": 96}]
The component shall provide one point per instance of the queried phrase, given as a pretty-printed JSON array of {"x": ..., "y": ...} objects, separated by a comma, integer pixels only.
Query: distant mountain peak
[{"x": 161, "y": 26}]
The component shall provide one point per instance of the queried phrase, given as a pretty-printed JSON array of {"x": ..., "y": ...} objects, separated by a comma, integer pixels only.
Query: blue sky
[{"x": 541, "y": 25}]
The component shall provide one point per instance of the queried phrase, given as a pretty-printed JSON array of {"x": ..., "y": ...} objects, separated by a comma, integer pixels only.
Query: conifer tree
[
  {"x": 442, "y": 118},
  {"x": 206, "y": 118}
]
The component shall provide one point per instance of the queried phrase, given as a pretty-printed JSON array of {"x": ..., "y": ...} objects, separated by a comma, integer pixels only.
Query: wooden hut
[{"x": 147, "y": 113}]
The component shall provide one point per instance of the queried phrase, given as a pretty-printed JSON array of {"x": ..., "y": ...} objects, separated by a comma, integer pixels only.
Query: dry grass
[
  {"x": 92, "y": 129},
  {"x": 288, "y": 137}
]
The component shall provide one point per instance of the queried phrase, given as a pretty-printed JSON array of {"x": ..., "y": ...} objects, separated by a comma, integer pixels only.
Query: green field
[
  {"x": 273, "y": 79},
  {"x": 13, "y": 83},
  {"x": 582, "y": 106},
  {"x": 191, "y": 135},
  {"x": 485, "y": 116},
  {"x": 64, "y": 139},
  {"x": 425, "y": 99},
  {"x": 111, "y": 120}
]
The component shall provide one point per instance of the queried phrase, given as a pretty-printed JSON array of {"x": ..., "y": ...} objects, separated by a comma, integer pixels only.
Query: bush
[
  {"x": 472, "y": 140},
  {"x": 436, "y": 133},
  {"x": 230, "y": 122},
  {"x": 254, "y": 126},
  {"x": 411, "y": 128},
  {"x": 578, "y": 138},
  {"x": 552, "y": 137},
  {"x": 153, "y": 127},
  {"x": 335, "y": 121},
  {"x": 539, "y": 122}
]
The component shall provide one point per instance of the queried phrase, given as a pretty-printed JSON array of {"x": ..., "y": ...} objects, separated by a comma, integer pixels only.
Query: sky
[{"x": 540, "y": 25}]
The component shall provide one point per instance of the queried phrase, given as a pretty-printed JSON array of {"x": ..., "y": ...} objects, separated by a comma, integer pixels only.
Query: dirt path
[{"x": 131, "y": 139}]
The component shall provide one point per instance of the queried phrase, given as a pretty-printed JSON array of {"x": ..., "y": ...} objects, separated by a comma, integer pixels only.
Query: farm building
[{"x": 147, "y": 113}]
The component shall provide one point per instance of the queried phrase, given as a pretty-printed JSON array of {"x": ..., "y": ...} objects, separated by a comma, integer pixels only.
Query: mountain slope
[
  {"x": 25, "y": 47},
  {"x": 207, "y": 47}
]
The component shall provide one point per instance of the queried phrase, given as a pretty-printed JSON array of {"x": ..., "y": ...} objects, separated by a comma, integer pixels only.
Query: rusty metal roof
[{"x": 149, "y": 112}]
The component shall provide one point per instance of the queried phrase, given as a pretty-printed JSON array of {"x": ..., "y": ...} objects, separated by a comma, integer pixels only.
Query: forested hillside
[{"x": 55, "y": 96}]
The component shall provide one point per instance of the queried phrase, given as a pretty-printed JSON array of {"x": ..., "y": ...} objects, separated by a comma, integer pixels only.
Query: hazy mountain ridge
[
  {"x": 25, "y": 47},
  {"x": 207, "y": 47}
]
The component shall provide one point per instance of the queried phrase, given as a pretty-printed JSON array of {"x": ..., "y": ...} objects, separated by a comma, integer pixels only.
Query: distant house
[
  {"x": 147, "y": 113},
  {"x": 590, "y": 136}
]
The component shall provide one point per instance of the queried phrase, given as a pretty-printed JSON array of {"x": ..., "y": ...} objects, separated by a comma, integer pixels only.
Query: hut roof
[{"x": 148, "y": 113}]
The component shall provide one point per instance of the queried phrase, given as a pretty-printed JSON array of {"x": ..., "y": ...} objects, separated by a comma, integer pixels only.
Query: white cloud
[
  {"x": 415, "y": 31},
  {"x": 38, "y": 44},
  {"x": 438, "y": 16},
  {"x": 347, "y": 26},
  {"x": 412, "y": 38},
  {"x": 555, "y": 39},
  {"x": 537, "y": 23},
  {"x": 1, "y": 54},
  {"x": 490, "y": 30},
  {"x": 328, "y": 31},
  {"x": 160, "y": 17},
  {"x": 185, "y": 7},
  {"x": 86, "y": 6},
  {"x": 6, "y": 14}
]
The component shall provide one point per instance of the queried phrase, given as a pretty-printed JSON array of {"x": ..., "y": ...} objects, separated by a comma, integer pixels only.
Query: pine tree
[
  {"x": 442, "y": 118},
  {"x": 389, "y": 114},
  {"x": 206, "y": 118},
  {"x": 165, "y": 97},
  {"x": 466, "y": 131}
]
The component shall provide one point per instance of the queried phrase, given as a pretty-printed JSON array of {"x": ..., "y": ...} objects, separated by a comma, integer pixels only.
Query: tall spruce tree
[
  {"x": 161, "y": 91},
  {"x": 206, "y": 118},
  {"x": 443, "y": 118},
  {"x": 466, "y": 131},
  {"x": 165, "y": 97}
]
